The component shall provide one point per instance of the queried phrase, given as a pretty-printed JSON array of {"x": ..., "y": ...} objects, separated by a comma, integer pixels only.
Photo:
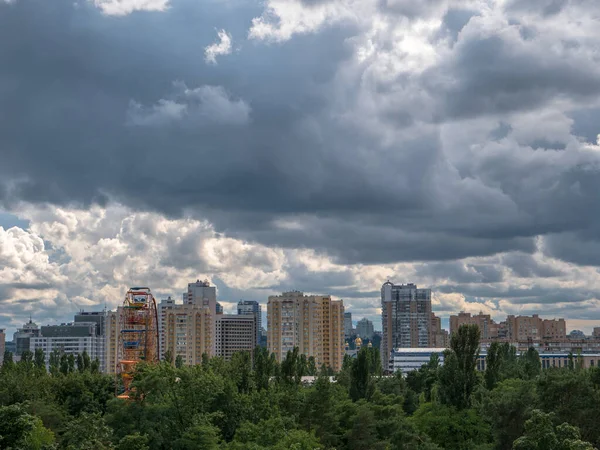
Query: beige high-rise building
[
  {"x": 188, "y": 332},
  {"x": 487, "y": 327},
  {"x": 2, "y": 344},
  {"x": 439, "y": 337},
  {"x": 313, "y": 323},
  {"x": 235, "y": 333},
  {"x": 111, "y": 341},
  {"x": 515, "y": 328}
]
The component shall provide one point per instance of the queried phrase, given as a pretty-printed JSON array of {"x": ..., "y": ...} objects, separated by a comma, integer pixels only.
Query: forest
[{"x": 255, "y": 403}]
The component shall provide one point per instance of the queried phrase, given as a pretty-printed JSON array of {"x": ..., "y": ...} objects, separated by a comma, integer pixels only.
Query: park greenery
[{"x": 256, "y": 403}]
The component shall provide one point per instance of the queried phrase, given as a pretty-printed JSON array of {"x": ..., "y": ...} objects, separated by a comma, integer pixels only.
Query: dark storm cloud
[{"x": 95, "y": 108}]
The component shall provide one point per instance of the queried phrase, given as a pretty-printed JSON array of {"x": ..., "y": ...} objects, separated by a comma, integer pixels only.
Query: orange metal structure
[{"x": 138, "y": 334}]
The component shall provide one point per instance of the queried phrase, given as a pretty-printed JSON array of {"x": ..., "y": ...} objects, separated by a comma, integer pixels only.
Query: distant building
[
  {"x": 405, "y": 317},
  {"x": 364, "y": 328},
  {"x": 188, "y": 332},
  {"x": 596, "y": 332},
  {"x": 163, "y": 308},
  {"x": 2, "y": 344},
  {"x": 22, "y": 337},
  {"x": 96, "y": 317},
  {"x": 515, "y": 328},
  {"x": 313, "y": 323},
  {"x": 111, "y": 341},
  {"x": 71, "y": 339},
  {"x": 439, "y": 337},
  {"x": 408, "y": 359},
  {"x": 201, "y": 293},
  {"x": 252, "y": 307},
  {"x": 488, "y": 329},
  {"x": 576, "y": 334},
  {"x": 235, "y": 333},
  {"x": 348, "y": 330},
  {"x": 219, "y": 308}
]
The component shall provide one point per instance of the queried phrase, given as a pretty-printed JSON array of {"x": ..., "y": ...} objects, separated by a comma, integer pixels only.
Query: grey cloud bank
[{"x": 452, "y": 142}]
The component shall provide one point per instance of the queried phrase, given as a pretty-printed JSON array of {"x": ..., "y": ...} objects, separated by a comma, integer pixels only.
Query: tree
[
  {"x": 54, "y": 362},
  {"x": 241, "y": 368},
  {"x": 71, "y": 363},
  {"x": 311, "y": 368},
  {"x": 80, "y": 367},
  {"x": 264, "y": 367},
  {"x": 7, "y": 362},
  {"x": 457, "y": 376},
  {"x": 541, "y": 434},
  {"x": 40, "y": 360},
  {"x": 179, "y": 361},
  {"x": 133, "y": 442},
  {"x": 87, "y": 432},
  {"x": 64, "y": 364},
  {"x": 87, "y": 362},
  {"x": 507, "y": 407},
  {"x": 95, "y": 366},
  {"x": 168, "y": 357},
  {"x": 20, "y": 430},
  {"x": 451, "y": 428},
  {"x": 530, "y": 363},
  {"x": 361, "y": 385}
]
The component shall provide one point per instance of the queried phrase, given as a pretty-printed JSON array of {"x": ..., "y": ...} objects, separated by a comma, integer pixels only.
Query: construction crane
[{"x": 138, "y": 334}]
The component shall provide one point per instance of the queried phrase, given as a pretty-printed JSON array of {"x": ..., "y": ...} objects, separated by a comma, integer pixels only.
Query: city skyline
[
  {"x": 319, "y": 145},
  {"x": 232, "y": 308}
]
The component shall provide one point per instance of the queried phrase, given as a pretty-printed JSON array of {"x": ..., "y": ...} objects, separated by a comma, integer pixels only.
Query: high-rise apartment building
[
  {"x": 201, "y": 293},
  {"x": 515, "y": 328},
  {"x": 111, "y": 341},
  {"x": 348, "y": 330},
  {"x": 439, "y": 338},
  {"x": 235, "y": 333},
  {"x": 313, "y": 323},
  {"x": 2, "y": 344},
  {"x": 252, "y": 307},
  {"x": 188, "y": 332},
  {"x": 487, "y": 327},
  {"x": 164, "y": 306},
  {"x": 364, "y": 328},
  {"x": 23, "y": 336},
  {"x": 405, "y": 317}
]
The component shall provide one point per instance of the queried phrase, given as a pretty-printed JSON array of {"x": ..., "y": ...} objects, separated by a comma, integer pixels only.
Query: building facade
[
  {"x": 202, "y": 294},
  {"x": 188, "y": 333},
  {"x": 405, "y": 317},
  {"x": 514, "y": 329},
  {"x": 22, "y": 337},
  {"x": 348, "y": 329},
  {"x": 313, "y": 323},
  {"x": 2, "y": 344},
  {"x": 439, "y": 338},
  {"x": 252, "y": 307},
  {"x": 164, "y": 307},
  {"x": 70, "y": 339},
  {"x": 235, "y": 333},
  {"x": 111, "y": 341},
  {"x": 364, "y": 328},
  {"x": 408, "y": 359}
]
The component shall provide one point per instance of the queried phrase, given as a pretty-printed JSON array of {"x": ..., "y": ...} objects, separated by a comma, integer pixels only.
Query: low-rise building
[{"x": 71, "y": 338}]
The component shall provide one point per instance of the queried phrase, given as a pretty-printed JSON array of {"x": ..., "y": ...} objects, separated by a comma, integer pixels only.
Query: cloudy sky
[{"x": 319, "y": 145}]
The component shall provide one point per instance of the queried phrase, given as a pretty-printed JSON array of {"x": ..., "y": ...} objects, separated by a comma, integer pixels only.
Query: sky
[{"x": 319, "y": 145}]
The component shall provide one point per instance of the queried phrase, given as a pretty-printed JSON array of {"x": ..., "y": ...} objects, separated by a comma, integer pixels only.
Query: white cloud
[
  {"x": 201, "y": 105},
  {"x": 222, "y": 47},
  {"x": 124, "y": 7}
]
